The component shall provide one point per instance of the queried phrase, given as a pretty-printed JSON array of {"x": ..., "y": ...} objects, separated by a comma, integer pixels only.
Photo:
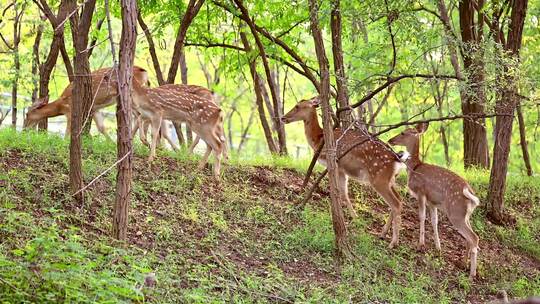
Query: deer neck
[
  {"x": 314, "y": 132},
  {"x": 55, "y": 108},
  {"x": 414, "y": 159}
]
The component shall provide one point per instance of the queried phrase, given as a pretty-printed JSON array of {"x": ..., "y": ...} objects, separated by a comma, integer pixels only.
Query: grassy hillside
[{"x": 242, "y": 240}]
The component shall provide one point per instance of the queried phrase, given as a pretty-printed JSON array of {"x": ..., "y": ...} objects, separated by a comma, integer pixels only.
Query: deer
[
  {"x": 372, "y": 162},
  {"x": 173, "y": 102},
  {"x": 104, "y": 95},
  {"x": 142, "y": 125},
  {"x": 439, "y": 188}
]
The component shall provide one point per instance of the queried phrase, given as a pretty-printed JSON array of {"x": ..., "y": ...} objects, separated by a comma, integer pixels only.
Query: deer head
[
  {"x": 409, "y": 136},
  {"x": 33, "y": 116},
  {"x": 302, "y": 110}
]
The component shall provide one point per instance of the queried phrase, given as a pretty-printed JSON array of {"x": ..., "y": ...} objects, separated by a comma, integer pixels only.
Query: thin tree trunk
[
  {"x": 338, "y": 220},
  {"x": 191, "y": 11},
  {"x": 16, "y": 61},
  {"x": 506, "y": 104},
  {"x": 152, "y": 49},
  {"x": 258, "y": 96},
  {"x": 45, "y": 69},
  {"x": 35, "y": 62},
  {"x": 345, "y": 117},
  {"x": 475, "y": 146},
  {"x": 184, "y": 77},
  {"x": 82, "y": 93},
  {"x": 267, "y": 70},
  {"x": 523, "y": 141},
  {"x": 244, "y": 136},
  {"x": 128, "y": 41}
]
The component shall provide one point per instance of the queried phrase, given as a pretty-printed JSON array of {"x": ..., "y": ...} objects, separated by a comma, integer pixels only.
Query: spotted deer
[
  {"x": 172, "y": 102},
  {"x": 439, "y": 188},
  {"x": 372, "y": 162},
  {"x": 104, "y": 90},
  {"x": 142, "y": 125}
]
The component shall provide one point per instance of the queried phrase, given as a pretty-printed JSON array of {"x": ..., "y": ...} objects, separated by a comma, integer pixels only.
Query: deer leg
[
  {"x": 194, "y": 143},
  {"x": 217, "y": 147},
  {"x": 68, "y": 125},
  {"x": 435, "y": 224},
  {"x": 100, "y": 124},
  {"x": 464, "y": 228},
  {"x": 343, "y": 180},
  {"x": 422, "y": 218},
  {"x": 167, "y": 135},
  {"x": 385, "y": 190},
  {"x": 134, "y": 127},
  {"x": 143, "y": 130},
  {"x": 204, "y": 159},
  {"x": 156, "y": 123}
]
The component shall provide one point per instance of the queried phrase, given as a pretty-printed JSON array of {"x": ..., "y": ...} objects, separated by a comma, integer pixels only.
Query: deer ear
[
  {"x": 40, "y": 102},
  {"x": 422, "y": 127}
]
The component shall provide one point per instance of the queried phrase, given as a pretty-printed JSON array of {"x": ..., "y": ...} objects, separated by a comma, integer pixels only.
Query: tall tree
[
  {"x": 123, "y": 115},
  {"x": 57, "y": 47},
  {"x": 82, "y": 91},
  {"x": 475, "y": 146},
  {"x": 279, "y": 126},
  {"x": 18, "y": 12},
  {"x": 338, "y": 220},
  {"x": 508, "y": 99},
  {"x": 345, "y": 117}
]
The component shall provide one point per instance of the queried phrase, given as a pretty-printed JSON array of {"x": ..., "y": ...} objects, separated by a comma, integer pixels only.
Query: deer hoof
[
  {"x": 421, "y": 247},
  {"x": 392, "y": 245}
]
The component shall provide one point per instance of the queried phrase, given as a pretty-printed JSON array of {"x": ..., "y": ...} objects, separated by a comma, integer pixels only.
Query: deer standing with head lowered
[
  {"x": 104, "y": 90},
  {"x": 172, "y": 102},
  {"x": 142, "y": 124},
  {"x": 372, "y": 162},
  {"x": 439, "y": 188}
]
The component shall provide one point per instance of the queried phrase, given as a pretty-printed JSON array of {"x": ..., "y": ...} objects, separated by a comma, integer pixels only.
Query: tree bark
[
  {"x": 345, "y": 117},
  {"x": 272, "y": 86},
  {"x": 128, "y": 41},
  {"x": 258, "y": 96},
  {"x": 183, "y": 76},
  {"x": 506, "y": 104},
  {"x": 82, "y": 93},
  {"x": 35, "y": 61},
  {"x": 338, "y": 220},
  {"x": 45, "y": 69},
  {"x": 192, "y": 10},
  {"x": 475, "y": 146},
  {"x": 523, "y": 141},
  {"x": 16, "y": 60},
  {"x": 152, "y": 49}
]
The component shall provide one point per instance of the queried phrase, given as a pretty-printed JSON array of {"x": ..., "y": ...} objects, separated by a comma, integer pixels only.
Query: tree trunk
[
  {"x": 16, "y": 62},
  {"x": 272, "y": 86},
  {"x": 345, "y": 117},
  {"x": 506, "y": 104},
  {"x": 35, "y": 62},
  {"x": 191, "y": 11},
  {"x": 475, "y": 147},
  {"x": 338, "y": 220},
  {"x": 258, "y": 97},
  {"x": 183, "y": 76},
  {"x": 123, "y": 113},
  {"x": 82, "y": 93},
  {"x": 152, "y": 49},
  {"x": 523, "y": 141},
  {"x": 45, "y": 69}
]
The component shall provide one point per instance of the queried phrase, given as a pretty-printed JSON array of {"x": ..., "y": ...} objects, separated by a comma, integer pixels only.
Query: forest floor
[{"x": 243, "y": 239}]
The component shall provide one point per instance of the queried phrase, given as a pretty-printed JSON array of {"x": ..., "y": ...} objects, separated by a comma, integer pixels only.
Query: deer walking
[
  {"x": 372, "y": 162},
  {"x": 104, "y": 90},
  {"x": 437, "y": 187},
  {"x": 172, "y": 102}
]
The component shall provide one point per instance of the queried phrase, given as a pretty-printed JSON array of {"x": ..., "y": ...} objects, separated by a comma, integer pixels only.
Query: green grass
[{"x": 242, "y": 240}]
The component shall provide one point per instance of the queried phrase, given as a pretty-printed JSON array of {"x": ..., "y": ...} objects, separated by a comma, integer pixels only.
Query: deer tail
[{"x": 468, "y": 194}]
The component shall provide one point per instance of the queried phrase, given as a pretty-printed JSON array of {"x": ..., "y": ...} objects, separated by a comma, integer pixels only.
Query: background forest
[{"x": 262, "y": 233}]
